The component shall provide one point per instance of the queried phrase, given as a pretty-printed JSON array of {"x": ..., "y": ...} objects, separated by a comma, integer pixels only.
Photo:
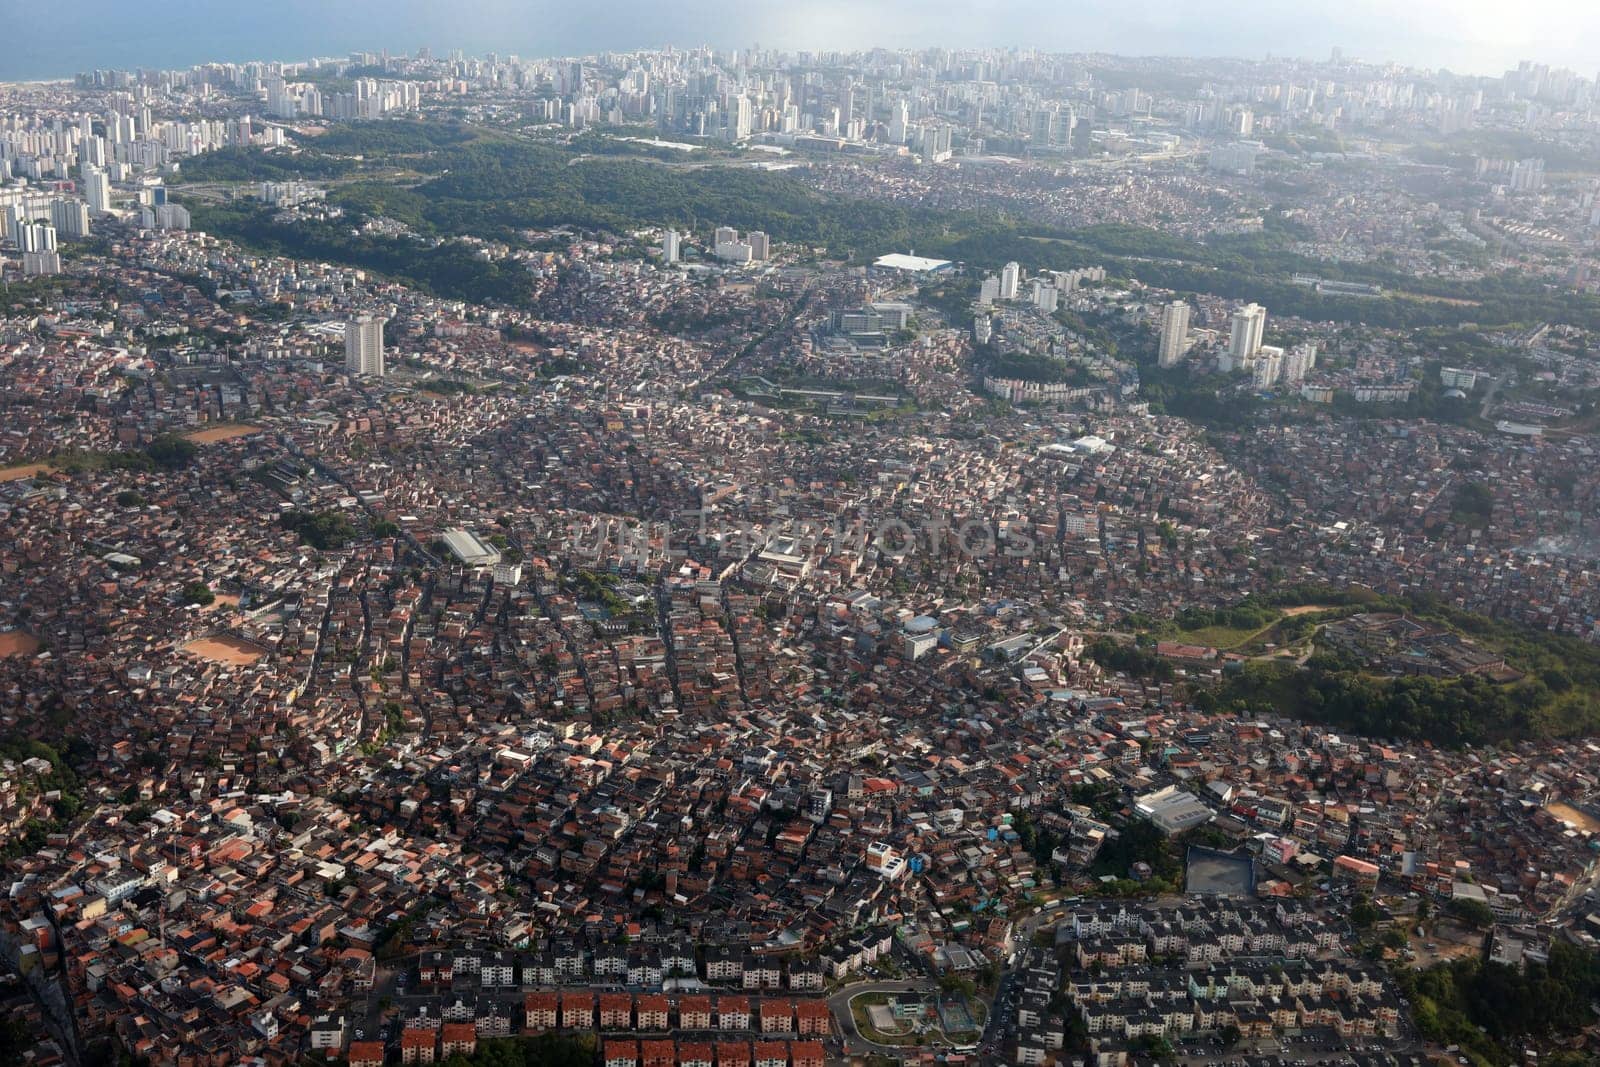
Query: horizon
[{"x": 1478, "y": 39}]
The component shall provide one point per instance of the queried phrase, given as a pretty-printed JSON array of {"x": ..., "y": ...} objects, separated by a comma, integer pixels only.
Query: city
[{"x": 692, "y": 557}]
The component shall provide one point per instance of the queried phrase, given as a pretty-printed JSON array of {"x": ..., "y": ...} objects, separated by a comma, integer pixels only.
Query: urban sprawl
[{"x": 694, "y": 558}]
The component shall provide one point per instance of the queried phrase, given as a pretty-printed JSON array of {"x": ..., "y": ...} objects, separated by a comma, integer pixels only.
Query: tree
[
  {"x": 198, "y": 592},
  {"x": 171, "y": 451},
  {"x": 322, "y": 530},
  {"x": 1474, "y": 913}
]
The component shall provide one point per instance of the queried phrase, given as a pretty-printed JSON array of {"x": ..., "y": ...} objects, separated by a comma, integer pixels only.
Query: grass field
[
  {"x": 1232, "y": 638},
  {"x": 1220, "y": 637}
]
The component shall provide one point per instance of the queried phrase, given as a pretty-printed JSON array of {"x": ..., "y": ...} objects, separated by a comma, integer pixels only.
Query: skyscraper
[
  {"x": 760, "y": 246},
  {"x": 1267, "y": 368},
  {"x": 1010, "y": 280},
  {"x": 1174, "y": 332},
  {"x": 363, "y": 347},
  {"x": 741, "y": 119},
  {"x": 900, "y": 123},
  {"x": 36, "y": 237},
  {"x": 97, "y": 188},
  {"x": 1299, "y": 361},
  {"x": 1249, "y": 326},
  {"x": 670, "y": 250},
  {"x": 1044, "y": 127},
  {"x": 1045, "y": 297},
  {"x": 71, "y": 217}
]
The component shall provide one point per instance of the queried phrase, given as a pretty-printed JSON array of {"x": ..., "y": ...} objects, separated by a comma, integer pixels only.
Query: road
[{"x": 839, "y": 1004}]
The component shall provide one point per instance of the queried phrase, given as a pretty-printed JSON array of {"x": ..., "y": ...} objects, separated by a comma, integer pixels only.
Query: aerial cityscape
[{"x": 701, "y": 556}]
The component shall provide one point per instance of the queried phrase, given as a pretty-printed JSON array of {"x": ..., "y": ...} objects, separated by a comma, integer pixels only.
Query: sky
[{"x": 59, "y": 38}]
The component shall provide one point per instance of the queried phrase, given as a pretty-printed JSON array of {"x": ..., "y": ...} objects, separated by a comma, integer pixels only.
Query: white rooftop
[{"x": 898, "y": 261}]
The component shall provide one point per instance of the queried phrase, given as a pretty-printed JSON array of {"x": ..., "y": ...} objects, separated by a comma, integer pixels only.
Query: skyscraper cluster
[{"x": 726, "y": 245}]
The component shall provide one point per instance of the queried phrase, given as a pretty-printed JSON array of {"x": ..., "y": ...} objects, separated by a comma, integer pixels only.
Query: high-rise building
[
  {"x": 37, "y": 242},
  {"x": 899, "y": 123},
  {"x": 726, "y": 246},
  {"x": 171, "y": 217},
  {"x": 36, "y": 237},
  {"x": 1044, "y": 127},
  {"x": 1527, "y": 176},
  {"x": 1045, "y": 297},
  {"x": 97, "y": 188},
  {"x": 1239, "y": 157},
  {"x": 1010, "y": 280},
  {"x": 363, "y": 347},
  {"x": 1298, "y": 362},
  {"x": 1249, "y": 327},
  {"x": 671, "y": 251},
  {"x": 1267, "y": 367},
  {"x": 71, "y": 217},
  {"x": 760, "y": 246},
  {"x": 38, "y": 264},
  {"x": 741, "y": 118},
  {"x": 15, "y": 217},
  {"x": 1174, "y": 332},
  {"x": 988, "y": 291}
]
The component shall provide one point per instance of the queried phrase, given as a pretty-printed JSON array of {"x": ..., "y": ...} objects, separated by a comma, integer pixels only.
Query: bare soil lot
[
  {"x": 227, "y": 431},
  {"x": 225, "y": 649},
  {"x": 18, "y": 643}
]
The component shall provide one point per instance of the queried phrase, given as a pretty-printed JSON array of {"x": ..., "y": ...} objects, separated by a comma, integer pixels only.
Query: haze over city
[{"x": 1470, "y": 36}]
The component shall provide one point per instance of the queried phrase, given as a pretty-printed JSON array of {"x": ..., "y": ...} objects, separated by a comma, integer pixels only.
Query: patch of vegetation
[
  {"x": 256, "y": 165},
  {"x": 1028, "y": 367},
  {"x": 1472, "y": 504},
  {"x": 496, "y": 187},
  {"x": 1559, "y": 695},
  {"x": 1139, "y": 841},
  {"x": 61, "y": 777},
  {"x": 1132, "y": 660},
  {"x": 1455, "y": 711},
  {"x": 171, "y": 452},
  {"x": 451, "y": 269},
  {"x": 1488, "y": 1009},
  {"x": 544, "y": 1050},
  {"x": 323, "y": 530},
  {"x": 167, "y": 452},
  {"x": 397, "y": 137},
  {"x": 198, "y": 593}
]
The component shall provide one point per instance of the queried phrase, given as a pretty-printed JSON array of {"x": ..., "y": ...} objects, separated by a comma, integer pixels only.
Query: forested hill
[{"x": 462, "y": 180}]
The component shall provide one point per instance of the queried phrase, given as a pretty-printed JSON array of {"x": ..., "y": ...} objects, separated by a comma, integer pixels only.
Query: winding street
[{"x": 839, "y": 1004}]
